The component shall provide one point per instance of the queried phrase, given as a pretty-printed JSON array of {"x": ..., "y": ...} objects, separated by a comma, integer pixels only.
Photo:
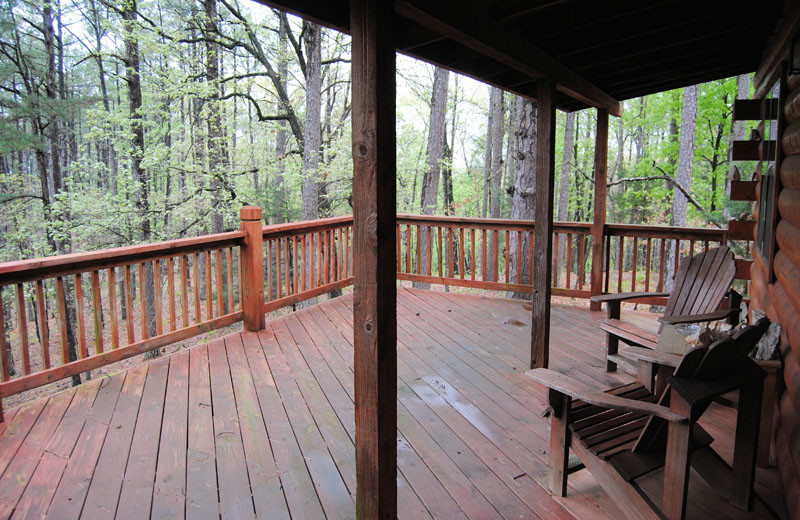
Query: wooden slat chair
[
  {"x": 701, "y": 284},
  {"x": 626, "y": 432}
]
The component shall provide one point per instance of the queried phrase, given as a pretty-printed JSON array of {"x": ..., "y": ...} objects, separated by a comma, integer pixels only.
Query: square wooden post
[
  {"x": 252, "y": 268},
  {"x": 543, "y": 230},
  {"x": 374, "y": 253},
  {"x": 599, "y": 223}
]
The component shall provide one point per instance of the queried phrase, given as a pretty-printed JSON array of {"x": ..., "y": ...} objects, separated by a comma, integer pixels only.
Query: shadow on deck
[{"x": 263, "y": 424}]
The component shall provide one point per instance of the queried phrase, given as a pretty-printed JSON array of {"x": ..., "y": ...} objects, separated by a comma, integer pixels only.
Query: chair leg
[
  {"x": 745, "y": 448},
  {"x": 559, "y": 442},
  {"x": 676, "y": 469}
]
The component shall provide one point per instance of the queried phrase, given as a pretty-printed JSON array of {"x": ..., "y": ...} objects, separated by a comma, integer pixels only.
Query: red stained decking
[{"x": 263, "y": 424}]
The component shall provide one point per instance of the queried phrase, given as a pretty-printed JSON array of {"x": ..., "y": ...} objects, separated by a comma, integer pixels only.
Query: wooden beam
[
  {"x": 504, "y": 44},
  {"x": 543, "y": 232},
  {"x": 374, "y": 250},
  {"x": 599, "y": 220}
]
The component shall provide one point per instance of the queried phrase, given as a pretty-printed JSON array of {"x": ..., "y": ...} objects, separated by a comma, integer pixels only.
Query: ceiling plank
[
  {"x": 496, "y": 41},
  {"x": 777, "y": 49}
]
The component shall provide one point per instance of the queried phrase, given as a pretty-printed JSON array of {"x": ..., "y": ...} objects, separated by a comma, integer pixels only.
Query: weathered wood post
[
  {"x": 252, "y": 275},
  {"x": 374, "y": 253},
  {"x": 543, "y": 229},
  {"x": 600, "y": 185}
]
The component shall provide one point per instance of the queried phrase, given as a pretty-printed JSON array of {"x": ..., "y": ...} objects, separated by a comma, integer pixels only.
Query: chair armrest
[
  {"x": 575, "y": 389},
  {"x": 695, "y": 390},
  {"x": 652, "y": 356},
  {"x": 720, "y": 314},
  {"x": 627, "y": 296}
]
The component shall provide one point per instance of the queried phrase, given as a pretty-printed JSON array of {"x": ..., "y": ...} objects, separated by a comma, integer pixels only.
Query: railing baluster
[
  {"x": 127, "y": 296},
  {"x": 347, "y": 252},
  {"x": 556, "y": 272},
  {"x": 231, "y": 303},
  {"x": 278, "y": 262},
  {"x": 439, "y": 252},
  {"x": 82, "y": 351},
  {"x": 143, "y": 296},
  {"x": 569, "y": 260},
  {"x": 419, "y": 249},
  {"x": 483, "y": 255},
  {"x": 621, "y": 260},
  {"x": 97, "y": 309},
  {"x": 327, "y": 258},
  {"x": 269, "y": 244},
  {"x": 196, "y": 276},
  {"x": 461, "y": 252},
  {"x": 408, "y": 249},
  {"x": 608, "y": 262},
  {"x": 450, "y": 252},
  {"x": 157, "y": 293},
  {"x": 296, "y": 263},
  {"x": 22, "y": 326},
  {"x": 647, "y": 268},
  {"x": 3, "y": 344},
  {"x": 705, "y": 246},
  {"x": 304, "y": 247},
  {"x": 507, "y": 252},
  {"x": 691, "y": 248},
  {"x": 520, "y": 245},
  {"x": 635, "y": 259},
  {"x": 287, "y": 263},
  {"x": 185, "y": 289},
  {"x": 399, "y": 249},
  {"x": 44, "y": 339},
  {"x": 112, "y": 302},
  {"x": 496, "y": 253},
  {"x": 209, "y": 287},
  {"x": 61, "y": 305},
  {"x": 173, "y": 325},
  {"x": 220, "y": 286},
  {"x": 661, "y": 262},
  {"x": 472, "y": 263},
  {"x": 581, "y": 261}
]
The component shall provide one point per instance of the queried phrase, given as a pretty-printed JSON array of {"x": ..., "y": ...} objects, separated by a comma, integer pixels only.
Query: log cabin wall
[{"x": 779, "y": 295}]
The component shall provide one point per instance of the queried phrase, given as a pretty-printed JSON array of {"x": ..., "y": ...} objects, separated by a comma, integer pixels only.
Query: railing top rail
[
  {"x": 487, "y": 222},
  {"x": 305, "y": 226},
  {"x": 37, "y": 268},
  {"x": 686, "y": 233}
]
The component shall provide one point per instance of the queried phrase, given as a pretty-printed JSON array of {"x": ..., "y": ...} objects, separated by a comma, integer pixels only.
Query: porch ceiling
[{"x": 621, "y": 49}]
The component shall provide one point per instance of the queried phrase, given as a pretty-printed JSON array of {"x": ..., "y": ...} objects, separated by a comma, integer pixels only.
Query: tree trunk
[
  {"x": 437, "y": 140},
  {"x": 737, "y": 134},
  {"x": 683, "y": 175},
  {"x": 563, "y": 182},
  {"x": 487, "y": 164},
  {"x": 497, "y": 108},
  {"x": 129, "y": 15},
  {"x": 216, "y": 154},
  {"x": 523, "y": 194}
]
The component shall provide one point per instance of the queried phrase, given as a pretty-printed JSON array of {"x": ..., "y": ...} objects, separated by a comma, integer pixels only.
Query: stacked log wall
[{"x": 781, "y": 298}]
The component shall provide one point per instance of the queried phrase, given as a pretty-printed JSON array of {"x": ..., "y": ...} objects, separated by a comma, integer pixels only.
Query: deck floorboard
[{"x": 261, "y": 425}]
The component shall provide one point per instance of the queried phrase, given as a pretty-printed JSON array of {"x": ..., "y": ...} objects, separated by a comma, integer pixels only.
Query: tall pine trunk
[
  {"x": 563, "y": 182},
  {"x": 437, "y": 141},
  {"x": 497, "y": 108},
  {"x": 523, "y": 199}
]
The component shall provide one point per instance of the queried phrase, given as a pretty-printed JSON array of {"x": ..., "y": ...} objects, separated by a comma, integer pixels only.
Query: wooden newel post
[
  {"x": 600, "y": 185},
  {"x": 252, "y": 275}
]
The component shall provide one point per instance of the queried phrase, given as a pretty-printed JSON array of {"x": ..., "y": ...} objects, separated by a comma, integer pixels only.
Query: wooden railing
[
  {"x": 98, "y": 297},
  {"x": 204, "y": 283},
  {"x": 489, "y": 253},
  {"x": 306, "y": 259}
]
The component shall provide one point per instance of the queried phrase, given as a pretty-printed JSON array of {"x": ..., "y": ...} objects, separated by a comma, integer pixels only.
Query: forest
[{"x": 130, "y": 122}]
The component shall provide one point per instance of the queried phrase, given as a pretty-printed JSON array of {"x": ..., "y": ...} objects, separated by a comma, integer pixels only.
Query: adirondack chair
[
  {"x": 626, "y": 432},
  {"x": 701, "y": 284}
]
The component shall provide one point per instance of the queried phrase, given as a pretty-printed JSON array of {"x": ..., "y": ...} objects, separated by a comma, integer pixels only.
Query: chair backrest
[
  {"x": 707, "y": 364},
  {"x": 701, "y": 282}
]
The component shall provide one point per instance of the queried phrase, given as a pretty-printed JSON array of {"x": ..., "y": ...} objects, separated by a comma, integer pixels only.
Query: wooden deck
[{"x": 263, "y": 424}]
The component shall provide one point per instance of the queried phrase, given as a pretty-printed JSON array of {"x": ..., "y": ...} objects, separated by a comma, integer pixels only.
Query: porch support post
[
  {"x": 543, "y": 230},
  {"x": 252, "y": 276},
  {"x": 599, "y": 224},
  {"x": 374, "y": 253}
]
